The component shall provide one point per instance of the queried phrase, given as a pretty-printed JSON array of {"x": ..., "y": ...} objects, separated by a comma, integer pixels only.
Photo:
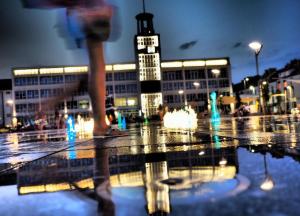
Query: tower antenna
[{"x": 144, "y": 7}]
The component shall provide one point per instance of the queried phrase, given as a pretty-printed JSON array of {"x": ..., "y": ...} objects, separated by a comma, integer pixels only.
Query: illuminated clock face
[{"x": 151, "y": 49}]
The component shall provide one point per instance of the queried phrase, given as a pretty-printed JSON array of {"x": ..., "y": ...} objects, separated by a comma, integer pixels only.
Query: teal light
[
  {"x": 215, "y": 115},
  {"x": 215, "y": 120}
]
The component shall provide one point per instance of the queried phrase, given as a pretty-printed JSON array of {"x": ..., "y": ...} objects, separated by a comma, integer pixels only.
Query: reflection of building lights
[{"x": 268, "y": 184}]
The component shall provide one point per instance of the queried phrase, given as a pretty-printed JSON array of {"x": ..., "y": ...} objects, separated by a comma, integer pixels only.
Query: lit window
[{"x": 120, "y": 102}]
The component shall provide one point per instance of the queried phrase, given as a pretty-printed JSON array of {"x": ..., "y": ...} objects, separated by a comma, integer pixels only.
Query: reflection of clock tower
[{"x": 147, "y": 52}]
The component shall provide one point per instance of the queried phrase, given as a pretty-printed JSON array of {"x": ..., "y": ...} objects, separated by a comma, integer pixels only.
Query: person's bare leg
[{"x": 96, "y": 85}]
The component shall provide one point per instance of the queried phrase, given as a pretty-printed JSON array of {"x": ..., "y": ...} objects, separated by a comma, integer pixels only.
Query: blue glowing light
[
  {"x": 71, "y": 135},
  {"x": 215, "y": 115}
]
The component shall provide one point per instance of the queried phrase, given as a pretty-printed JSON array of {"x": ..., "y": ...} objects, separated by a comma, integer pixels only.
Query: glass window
[
  {"x": 224, "y": 73},
  {"x": 22, "y": 81},
  {"x": 45, "y": 93},
  {"x": 109, "y": 89},
  {"x": 119, "y": 102},
  {"x": 33, "y": 94},
  {"x": 21, "y": 107},
  {"x": 72, "y": 104},
  {"x": 132, "y": 101},
  {"x": 19, "y": 95},
  {"x": 119, "y": 76},
  {"x": 131, "y": 88},
  {"x": 131, "y": 76},
  {"x": 120, "y": 89},
  {"x": 212, "y": 84},
  {"x": 223, "y": 83},
  {"x": 178, "y": 85},
  {"x": 194, "y": 74},
  {"x": 84, "y": 104},
  {"x": 108, "y": 76},
  {"x": 168, "y": 98},
  {"x": 33, "y": 107},
  {"x": 60, "y": 106},
  {"x": 70, "y": 78}
]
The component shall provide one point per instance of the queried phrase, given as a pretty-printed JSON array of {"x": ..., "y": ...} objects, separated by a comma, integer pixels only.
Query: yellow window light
[
  {"x": 120, "y": 67},
  {"x": 51, "y": 70},
  {"x": 23, "y": 72},
  {"x": 132, "y": 101},
  {"x": 78, "y": 69},
  {"x": 216, "y": 62},
  {"x": 108, "y": 67},
  {"x": 195, "y": 63},
  {"x": 173, "y": 64}
]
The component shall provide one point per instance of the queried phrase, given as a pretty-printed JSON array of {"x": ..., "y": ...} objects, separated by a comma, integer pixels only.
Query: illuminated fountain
[
  {"x": 215, "y": 115},
  {"x": 181, "y": 119},
  {"x": 85, "y": 127}
]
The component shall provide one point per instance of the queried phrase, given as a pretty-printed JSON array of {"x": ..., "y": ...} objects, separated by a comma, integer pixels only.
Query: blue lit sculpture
[
  {"x": 71, "y": 136},
  {"x": 215, "y": 120},
  {"x": 215, "y": 115}
]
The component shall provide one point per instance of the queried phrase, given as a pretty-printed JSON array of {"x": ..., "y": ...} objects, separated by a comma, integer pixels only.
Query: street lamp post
[
  {"x": 245, "y": 82},
  {"x": 180, "y": 92},
  {"x": 256, "y": 47},
  {"x": 197, "y": 84}
]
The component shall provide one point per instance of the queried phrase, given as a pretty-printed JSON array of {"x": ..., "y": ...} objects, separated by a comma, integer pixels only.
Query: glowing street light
[
  {"x": 180, "y": 92},
  {"x": 10, "y": 102},
  {"x": 256, "y": 47}
]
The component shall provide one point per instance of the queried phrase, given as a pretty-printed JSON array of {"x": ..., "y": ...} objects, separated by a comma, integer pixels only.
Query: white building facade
[{"x": 32, "y": 87}]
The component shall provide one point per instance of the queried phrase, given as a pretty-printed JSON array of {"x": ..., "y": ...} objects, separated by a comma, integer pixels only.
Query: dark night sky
[{"x": 208, "y": 28}]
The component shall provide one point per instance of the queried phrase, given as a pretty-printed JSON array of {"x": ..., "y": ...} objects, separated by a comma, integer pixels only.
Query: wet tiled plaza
[{"x": 239, "y": 166}]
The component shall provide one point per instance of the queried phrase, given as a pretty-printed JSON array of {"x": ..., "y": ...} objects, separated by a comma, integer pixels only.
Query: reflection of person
[
  {"x": 102, "y": 183},
  {"x": 95, "y": 17}
]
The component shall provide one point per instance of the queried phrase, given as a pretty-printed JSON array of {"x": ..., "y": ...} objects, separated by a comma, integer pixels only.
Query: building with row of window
[
  {"x": 33, "y": 87},
  {"x": 280, "y": 89}
]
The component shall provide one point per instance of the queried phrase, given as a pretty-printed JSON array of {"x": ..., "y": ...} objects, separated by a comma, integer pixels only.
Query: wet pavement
[{"x": 239, "y": 166}]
